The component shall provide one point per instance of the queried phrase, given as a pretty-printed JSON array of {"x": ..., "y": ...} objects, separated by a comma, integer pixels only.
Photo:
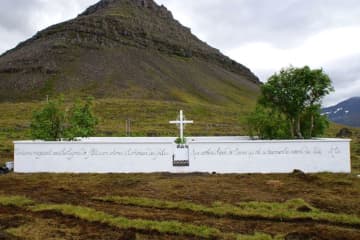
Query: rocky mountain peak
[
  {"x": 106, "y": 6},
  {"x": 126, "y": 49}
]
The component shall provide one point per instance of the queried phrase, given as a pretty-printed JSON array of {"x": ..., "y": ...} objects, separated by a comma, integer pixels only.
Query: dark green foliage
[
  {"x": 267, "y": 124},
  {"x": 82, "y": 121},
  {"x": 180, "y": 140},
  {"x": 53, "y": 122},
  {"x": 321, "y": 122},
  {"x": 295, "y": 94},
  {"x": 48, "y": 123}
]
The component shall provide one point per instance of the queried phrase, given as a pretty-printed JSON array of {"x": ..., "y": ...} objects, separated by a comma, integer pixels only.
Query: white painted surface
[
  {"x": 206, "y": 154},
  {"x": 181, "y": 154},
  {"x": 271, "y": 156},
  {"x": 95, "y": 155}
]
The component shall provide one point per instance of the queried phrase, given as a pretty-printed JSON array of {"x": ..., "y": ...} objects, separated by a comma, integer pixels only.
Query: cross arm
[{"x": 190, "y": 121}]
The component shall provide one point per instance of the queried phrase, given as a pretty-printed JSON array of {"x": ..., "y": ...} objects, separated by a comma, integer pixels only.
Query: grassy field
[{"x": 173, "y": 206}]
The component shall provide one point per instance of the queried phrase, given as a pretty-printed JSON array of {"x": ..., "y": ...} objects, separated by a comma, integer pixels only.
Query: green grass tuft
[
  {"x": 16, "y": 201},
  {"x": 295, "y": 209},
  {"x": 92, "y": 215},
  {"x": 88, "y": 214},
  {"x": 168, "y": 227}
]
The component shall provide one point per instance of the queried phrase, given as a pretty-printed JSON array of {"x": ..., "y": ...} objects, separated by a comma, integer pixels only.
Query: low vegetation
[
  {"x": 179, "y": 206},
  {"x": 17, "y": 201},
  {"x": 296, "y": 209},
  {"x": 92, "y": 215}
]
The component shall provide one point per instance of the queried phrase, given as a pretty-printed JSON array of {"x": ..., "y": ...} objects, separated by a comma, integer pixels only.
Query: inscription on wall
[
  {"x": 286, "y": 151},
  {"x": 70, "y": 153},
  {"x": 221, "y": 157}
]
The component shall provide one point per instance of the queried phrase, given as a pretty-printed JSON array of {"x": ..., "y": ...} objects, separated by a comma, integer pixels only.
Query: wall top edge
[{"x": 170, "y": 140}]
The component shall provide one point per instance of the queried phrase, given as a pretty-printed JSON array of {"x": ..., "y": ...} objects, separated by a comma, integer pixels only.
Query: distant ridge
[
  {"x": 124, "y": 49},
  {"x": 346, "y": 112}
]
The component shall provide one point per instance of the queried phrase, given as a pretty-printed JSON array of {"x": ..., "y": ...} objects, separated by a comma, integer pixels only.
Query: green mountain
[{"x": 131, "y": 49}]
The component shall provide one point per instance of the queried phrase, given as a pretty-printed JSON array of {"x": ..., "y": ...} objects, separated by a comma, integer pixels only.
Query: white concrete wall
[
  {"x": 94, "y": 156},
  {"x": 206, "y": 154},
  {"x": 324, "y": 155}
]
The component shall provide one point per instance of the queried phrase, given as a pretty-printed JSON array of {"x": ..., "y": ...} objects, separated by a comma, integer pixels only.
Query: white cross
[{"x": 181, "y": 121}]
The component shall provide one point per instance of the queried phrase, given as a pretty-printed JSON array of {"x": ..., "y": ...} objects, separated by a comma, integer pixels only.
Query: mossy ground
[
  {"x": 295, "y": 209},
  {"x": 173, "y": 206}
]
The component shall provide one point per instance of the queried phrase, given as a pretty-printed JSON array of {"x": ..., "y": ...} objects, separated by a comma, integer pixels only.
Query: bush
[
  {"x": 82, "y": 121},
  {"x": 48, "y": 123},
  {"x": 53, "y": 122}
]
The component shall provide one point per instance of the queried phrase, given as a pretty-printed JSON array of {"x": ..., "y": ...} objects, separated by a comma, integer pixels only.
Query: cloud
[
  {"x": 336, "y": 50},
  {"x": 15, "y": 17},
  {"x": 21, "y": 19},
  {"x": 316, "y": 51},
  {"x": 227, "y": 24},
  {"x": 345, "y": 74}
]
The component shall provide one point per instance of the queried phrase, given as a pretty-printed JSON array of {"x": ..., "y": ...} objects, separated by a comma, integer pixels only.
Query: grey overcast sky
[{"x": 264, "y": 35}]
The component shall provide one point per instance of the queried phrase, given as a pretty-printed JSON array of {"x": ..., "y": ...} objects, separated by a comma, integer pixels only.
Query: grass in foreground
[
  {"x": 92, "y": 215},
  {"x": 17, "y": 201},
  {"x": 296, "y": 209},
  {"x": 88, "y": 214},
  {"x": 43, "y": 228}
]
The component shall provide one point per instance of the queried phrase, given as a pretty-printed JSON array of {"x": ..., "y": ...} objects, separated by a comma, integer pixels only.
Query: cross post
[{"x": 181, "y": 121}]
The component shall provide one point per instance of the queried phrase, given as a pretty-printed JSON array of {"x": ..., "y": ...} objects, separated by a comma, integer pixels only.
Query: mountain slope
[
  {"x": 346, "y": 112},
  {"x": 123, "y": 49}
]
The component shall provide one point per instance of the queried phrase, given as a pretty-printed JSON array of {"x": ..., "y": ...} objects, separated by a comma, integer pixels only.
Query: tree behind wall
[
  {"x": 267, "y": 123},
  {"x": 53, "y": 122},
  {"x": 48, "y": 122},
  {"x": 293, "y": 95},
  {"x": 313, "y": 124},
  {"x": 82, "y": 121}
]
